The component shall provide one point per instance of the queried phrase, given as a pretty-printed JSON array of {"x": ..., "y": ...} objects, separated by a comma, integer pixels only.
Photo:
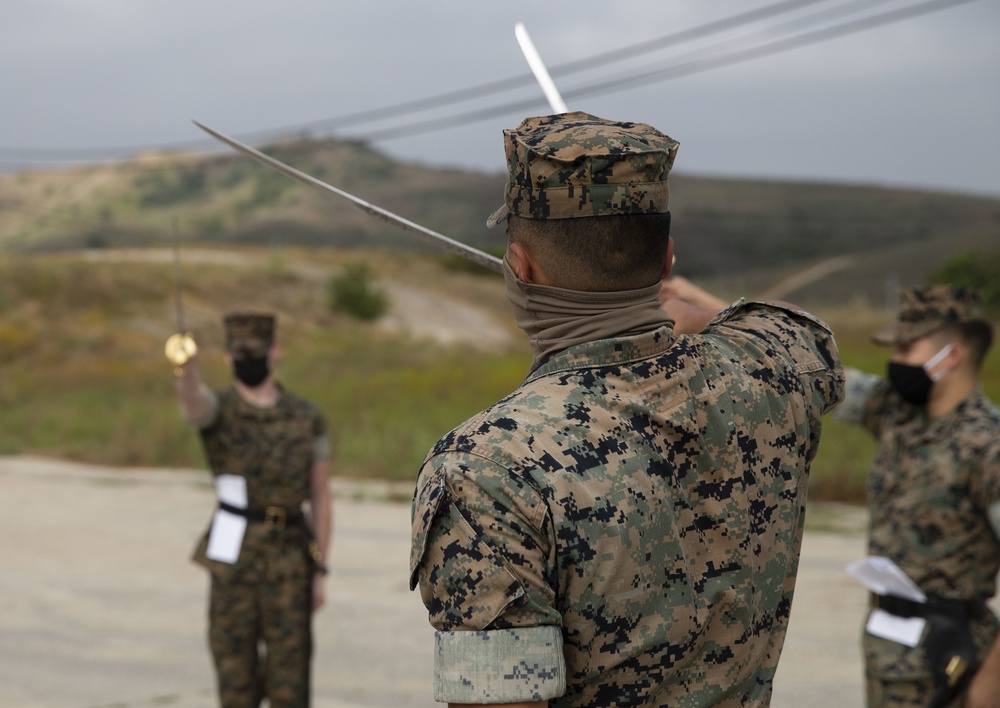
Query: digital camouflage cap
[
  {"x": 925, "y": 310},
  {"x": 249, "y": 330},
  {"x": 576, "y": 164}
]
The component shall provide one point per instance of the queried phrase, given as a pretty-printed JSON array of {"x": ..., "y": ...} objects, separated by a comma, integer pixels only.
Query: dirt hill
[{"x": 747, "y": 235}]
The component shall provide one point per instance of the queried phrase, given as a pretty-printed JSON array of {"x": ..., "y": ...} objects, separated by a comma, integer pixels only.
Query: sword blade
[
  {"x": 178, "y": 294},
  {"x": 534, "y": 60},
  {"x": 448, "y": 244}
]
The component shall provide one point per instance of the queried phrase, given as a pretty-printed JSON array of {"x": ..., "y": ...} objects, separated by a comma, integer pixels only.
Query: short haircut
[
  {"x": 976, "y": 335},
  {"x": 596, "y": 253}
]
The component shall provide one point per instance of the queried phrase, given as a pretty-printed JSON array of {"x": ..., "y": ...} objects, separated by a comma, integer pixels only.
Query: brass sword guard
[{"x": 180, "y": 348}]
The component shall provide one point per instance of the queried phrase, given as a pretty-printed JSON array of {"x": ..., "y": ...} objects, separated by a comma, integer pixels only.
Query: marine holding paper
[
  {"x": 934, "y": 499},
  {"x": 269, "y": 454}
]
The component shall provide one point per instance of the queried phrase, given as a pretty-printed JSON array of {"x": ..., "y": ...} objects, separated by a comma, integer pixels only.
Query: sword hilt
[{"x": 180, "y": 348}]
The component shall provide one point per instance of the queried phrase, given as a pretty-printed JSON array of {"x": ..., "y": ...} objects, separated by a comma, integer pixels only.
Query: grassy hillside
[
  {"x": 84, "y": 377},
  {"x": 81, "y": 332},
  {"x": 229, "y": 199},
  {"x": 743, "y": 235}
]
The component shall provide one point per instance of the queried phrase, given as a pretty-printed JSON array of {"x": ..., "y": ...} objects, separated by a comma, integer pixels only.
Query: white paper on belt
[
  {"x": 226, "y": 535},
  {"x": 883, "y": 577}
]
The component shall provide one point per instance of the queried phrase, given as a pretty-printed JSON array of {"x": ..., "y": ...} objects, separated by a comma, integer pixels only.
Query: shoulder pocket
[
  {"x": 464, "y": 582},
  {"x": 425, "y": 510}
]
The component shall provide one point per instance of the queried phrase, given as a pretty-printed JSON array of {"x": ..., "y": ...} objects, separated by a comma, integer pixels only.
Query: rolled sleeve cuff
[
  {"x": 321, "y": 448},
  {"x": 499, "y": 666},
  {"x": 858, "y": 389}
]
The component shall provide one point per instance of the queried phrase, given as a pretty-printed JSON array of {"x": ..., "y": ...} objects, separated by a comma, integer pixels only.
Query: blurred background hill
[
  {"x": 87, "y": 292},
  {"x": 749, "y": 233}
]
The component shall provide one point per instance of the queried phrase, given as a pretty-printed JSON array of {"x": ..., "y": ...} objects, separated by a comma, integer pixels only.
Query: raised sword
[
  {"x": 180, "y": 346},
  {"x": 537, "y": 66},
  {"x": 448, "y": 244}
]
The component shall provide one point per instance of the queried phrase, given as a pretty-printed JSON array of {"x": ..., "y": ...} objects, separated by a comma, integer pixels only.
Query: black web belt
[
  {"x": 962, "y": 610},
  {"x": 949, "y": 649},
  {"x": 277, "y": 518}
]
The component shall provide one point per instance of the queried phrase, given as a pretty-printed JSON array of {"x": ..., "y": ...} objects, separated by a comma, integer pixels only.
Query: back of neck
[{"x": 556, "y": 318}]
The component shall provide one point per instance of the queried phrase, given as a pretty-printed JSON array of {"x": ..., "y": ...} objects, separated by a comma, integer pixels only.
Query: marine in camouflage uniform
[
  {"x": 260, "y": 608},
  {"x": 934, "y": 489},
  {"x": 624, "y": 528}
]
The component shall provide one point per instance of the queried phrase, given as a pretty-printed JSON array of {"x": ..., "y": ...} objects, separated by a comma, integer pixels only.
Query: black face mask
[
  {"x": 251, "y": 370},
  {"x": 910, "y": 382},
  {"x": 913, "y": 383}
]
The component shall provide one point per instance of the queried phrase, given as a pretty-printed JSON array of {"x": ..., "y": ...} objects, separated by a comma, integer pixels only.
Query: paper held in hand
[{"x": 883, "y": 577}]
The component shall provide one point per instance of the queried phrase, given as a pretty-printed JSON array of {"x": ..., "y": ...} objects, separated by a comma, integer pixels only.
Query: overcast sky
[{"x": 912, "y": 103}]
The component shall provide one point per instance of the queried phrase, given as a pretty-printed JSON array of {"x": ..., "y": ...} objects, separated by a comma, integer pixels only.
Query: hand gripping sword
[
  {"x": 457, "y": 247},
  {"x": 180, "y": 346}
]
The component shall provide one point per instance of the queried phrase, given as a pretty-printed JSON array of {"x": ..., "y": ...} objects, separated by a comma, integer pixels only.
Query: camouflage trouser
[
  {"x": 278, "y": 615},
  {"x": 916, "y": 693}
]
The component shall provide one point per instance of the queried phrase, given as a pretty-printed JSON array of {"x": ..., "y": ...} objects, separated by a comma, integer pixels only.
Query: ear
[
  {"x": 958, "y": 356},
  {"x": 274, "y": 353},
  {"x": 668, "y": 263},
  {"x": 522, "y": 264}
]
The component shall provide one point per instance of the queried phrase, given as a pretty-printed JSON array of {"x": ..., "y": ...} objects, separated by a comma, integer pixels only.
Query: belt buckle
[
  {"x": 955, "y": 669},
  {"x": 275, "y": 518}
]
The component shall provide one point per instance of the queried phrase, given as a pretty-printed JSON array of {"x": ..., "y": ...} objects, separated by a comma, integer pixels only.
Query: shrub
[
  {"x": 974, "y": 270},
  {"x": 353, "y": 293}
]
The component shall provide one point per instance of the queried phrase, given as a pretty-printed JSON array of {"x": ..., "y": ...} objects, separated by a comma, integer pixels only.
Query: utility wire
[
  {"x": 621, "y": 82},
  {"x": 666, "y": 73},
  {"x": 15, "y": 155},
  {"x": 573, "y": 67}
]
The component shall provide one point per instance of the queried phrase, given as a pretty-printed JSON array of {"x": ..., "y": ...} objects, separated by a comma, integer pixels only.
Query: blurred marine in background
[
  {"x": 624, "y": 528},
  {"x": 269, "y": 455},
  {"x": 934, "y": 500}
]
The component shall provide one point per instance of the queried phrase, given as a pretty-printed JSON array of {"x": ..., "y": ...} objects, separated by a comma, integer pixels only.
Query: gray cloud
[{"x": 913, "y": 103}]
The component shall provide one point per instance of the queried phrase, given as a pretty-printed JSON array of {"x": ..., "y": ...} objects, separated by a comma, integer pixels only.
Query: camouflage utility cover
[
  {"x": 249, "y": 330},
  {"x": 624, "y": 529},
  {"x": 929, "y": 489},
  {"x": 274, "y": 449},
  {"x": 575, "y": 164},
  {"x": 925, "y": 310}
]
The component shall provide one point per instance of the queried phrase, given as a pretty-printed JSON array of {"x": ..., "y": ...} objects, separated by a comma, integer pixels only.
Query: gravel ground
[{"x": 100, "y": 606}]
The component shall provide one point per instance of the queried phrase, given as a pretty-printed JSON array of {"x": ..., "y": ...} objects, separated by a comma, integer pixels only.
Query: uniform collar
[
  {"x": 249, "y": 410},
  {"x": 607, "y": 352}
]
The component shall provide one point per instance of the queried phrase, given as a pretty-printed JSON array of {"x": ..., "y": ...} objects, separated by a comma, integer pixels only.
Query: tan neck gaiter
[{"x": 556, "y": 319}]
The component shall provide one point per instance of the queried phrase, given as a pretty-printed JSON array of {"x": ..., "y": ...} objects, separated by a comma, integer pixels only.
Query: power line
[
  {"x": 565, "y": 69},
  {"x": 666, "y": 73},
  {"x": 657, "y": 73},
  {"x": 19, "y": 156}
]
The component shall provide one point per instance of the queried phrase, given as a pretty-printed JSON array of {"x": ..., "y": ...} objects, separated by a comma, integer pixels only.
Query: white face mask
[
  {"x": 914, "y": 382},
  {"x": 937, "y": 359}
]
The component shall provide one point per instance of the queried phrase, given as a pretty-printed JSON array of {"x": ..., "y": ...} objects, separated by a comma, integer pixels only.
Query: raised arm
[{"x": 198, "y": 402}]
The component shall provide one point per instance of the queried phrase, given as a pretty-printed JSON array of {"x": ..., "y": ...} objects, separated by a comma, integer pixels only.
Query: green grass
[{"x": 84, "y": 376}]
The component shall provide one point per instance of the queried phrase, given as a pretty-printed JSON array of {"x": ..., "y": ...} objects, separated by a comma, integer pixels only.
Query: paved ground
[{"x": 100, "y": 607}]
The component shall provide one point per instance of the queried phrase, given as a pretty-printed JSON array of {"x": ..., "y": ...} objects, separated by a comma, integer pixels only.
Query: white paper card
[
  {"x": 232, "y": 489},
  {"x": 883, "y": 577},
  {"x": 903, "y": 630},
  {"x": 226, "y": 536}
]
